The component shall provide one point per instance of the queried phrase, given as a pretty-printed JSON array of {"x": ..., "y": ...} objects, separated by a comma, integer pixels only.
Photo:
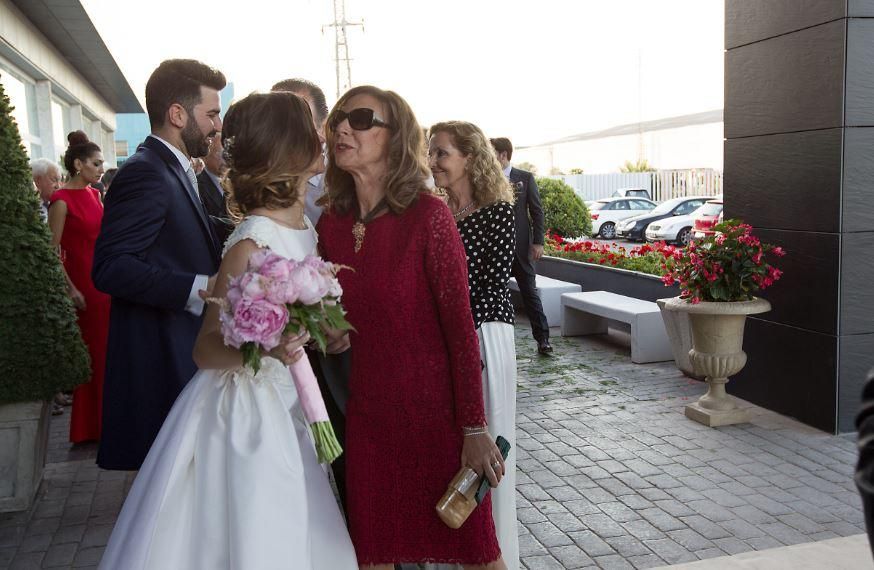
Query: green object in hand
[
  {"x": 484, "y": 485},
  {"x": 327, "y": 447}
]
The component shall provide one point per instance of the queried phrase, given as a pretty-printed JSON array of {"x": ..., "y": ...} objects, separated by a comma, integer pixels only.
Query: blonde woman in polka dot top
[{"x": 464, "y": 164}]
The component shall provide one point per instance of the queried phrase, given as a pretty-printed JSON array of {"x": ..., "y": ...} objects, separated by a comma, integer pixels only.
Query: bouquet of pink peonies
[{"x": 277, "y": 295}]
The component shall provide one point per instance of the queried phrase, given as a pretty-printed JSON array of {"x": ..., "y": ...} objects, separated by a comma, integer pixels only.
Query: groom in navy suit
[{"x": 155, "y": 255}]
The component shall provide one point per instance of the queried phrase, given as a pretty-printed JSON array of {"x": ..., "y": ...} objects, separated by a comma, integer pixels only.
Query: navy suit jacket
[
  {"x": 527, "y": 203},
  {"x": 216, "y": 206},
  {"x": 153, "y": 241}
]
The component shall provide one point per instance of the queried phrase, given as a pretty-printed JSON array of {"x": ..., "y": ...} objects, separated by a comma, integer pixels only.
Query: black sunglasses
[{"x": 361, "y": 119}]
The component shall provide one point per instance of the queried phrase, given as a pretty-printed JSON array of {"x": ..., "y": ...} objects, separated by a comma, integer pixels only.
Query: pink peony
[
  {"x": 277, "y": 270},
  {"x": 276, "y": 267},
  {"x": 235, "y": 293},
  {"x": 254, "y": 320},
  {"x": 253, "y": 286},
  {"x": 258, "y": 258},
  {"x": 307, "y": 284}
]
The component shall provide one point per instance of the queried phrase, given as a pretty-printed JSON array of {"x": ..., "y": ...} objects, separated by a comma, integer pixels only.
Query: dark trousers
[
  {"x": 333, "y": 364},
  {"x": 524, "y": 273}
]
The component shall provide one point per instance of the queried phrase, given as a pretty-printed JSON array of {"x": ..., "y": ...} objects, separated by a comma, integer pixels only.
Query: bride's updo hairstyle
[{"x": 269, "y": 143}]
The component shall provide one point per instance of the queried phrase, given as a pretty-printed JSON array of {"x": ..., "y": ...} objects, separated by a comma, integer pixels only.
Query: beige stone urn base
[{"x": 717, "y": 352}]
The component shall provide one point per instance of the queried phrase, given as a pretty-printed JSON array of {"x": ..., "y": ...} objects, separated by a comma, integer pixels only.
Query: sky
[{"x": 530, "y": 70}]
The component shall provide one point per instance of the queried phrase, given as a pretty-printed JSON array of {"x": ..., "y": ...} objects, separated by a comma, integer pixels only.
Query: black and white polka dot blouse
[{"x": 489, "y": 237}]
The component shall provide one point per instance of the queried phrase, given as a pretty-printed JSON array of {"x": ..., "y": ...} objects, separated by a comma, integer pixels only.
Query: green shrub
[
  {"x": 41, "y": 349},
  {"x": 564, "y": 212}
]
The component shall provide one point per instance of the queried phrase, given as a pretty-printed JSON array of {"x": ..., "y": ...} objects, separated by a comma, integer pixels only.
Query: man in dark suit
[
  {"x": 155, "y": 254},
  {"x": 315, "y": 98},
  {"x": 529, "y": 241},
  {"x": 209, "y": 186}
]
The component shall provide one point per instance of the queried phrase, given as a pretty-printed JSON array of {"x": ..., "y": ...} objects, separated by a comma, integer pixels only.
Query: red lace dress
[
  {"x": 84, "y": 214},
  {"x": 416, "y": 380}
]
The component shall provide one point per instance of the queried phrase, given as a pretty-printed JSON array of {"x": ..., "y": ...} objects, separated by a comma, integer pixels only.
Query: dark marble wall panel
[
  {"x": 858, "y": 187},
  {"x": 748, "y": 21},
  {"x": 807, "y": 294},
  {"x": 790, "y": 371},
  {"x": 860, "y": 72},
  {"x": 786, "y": 181},
  {"x": 857, "y": 358},
  {"x": 788, "y": 83},
  {"x": 857, "y": 283},
  {"x": 864, "y": 8}
]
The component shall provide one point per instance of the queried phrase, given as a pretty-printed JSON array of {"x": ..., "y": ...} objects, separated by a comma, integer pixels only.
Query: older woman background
[
  {"x": 415, "y": 413},
  {"x": 464, "y": 164}
]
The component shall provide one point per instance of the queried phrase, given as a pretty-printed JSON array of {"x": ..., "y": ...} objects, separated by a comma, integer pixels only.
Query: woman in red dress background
[
  {"x": 415, "y": 412},
  {"x": 74, "y": 219}
]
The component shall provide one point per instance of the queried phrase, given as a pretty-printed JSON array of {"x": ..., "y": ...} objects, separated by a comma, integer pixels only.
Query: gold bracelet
[{"x": 475, "y": 430}]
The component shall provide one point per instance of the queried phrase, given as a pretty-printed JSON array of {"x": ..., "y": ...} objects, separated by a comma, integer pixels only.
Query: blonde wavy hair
[
  {"x": 407, "y": 165},
  {"x": 269, "y": 143},
  {"x": 483, "y": 169}
]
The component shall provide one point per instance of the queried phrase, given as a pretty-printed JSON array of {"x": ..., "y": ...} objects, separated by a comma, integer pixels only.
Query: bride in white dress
[{"x": 232, "y": 480}]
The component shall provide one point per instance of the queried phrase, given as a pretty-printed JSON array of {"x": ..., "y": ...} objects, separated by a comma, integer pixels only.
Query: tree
[
  {"x": 641, "y": 165},
  {"x": 576, "y": 171},
  {"x": 527, "y": 166},
  {"x": 41, "y": 348},
  {"x": 556, "y": 171},
  {"x": 564, "y": 212}
]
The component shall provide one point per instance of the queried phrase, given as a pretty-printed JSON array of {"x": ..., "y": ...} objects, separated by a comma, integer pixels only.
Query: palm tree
[{"x": 642, "y": 165}]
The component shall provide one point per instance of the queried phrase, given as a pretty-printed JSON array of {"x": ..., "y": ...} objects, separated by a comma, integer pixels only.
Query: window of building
[
  {"x": 22, "y": 95},
  {"x": 60, "y": 126}
]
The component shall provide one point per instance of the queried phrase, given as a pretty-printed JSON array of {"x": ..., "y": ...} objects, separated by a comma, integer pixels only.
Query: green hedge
[
  {"x": 41, "y": 349},
  {"x": 564, "y": 212}
]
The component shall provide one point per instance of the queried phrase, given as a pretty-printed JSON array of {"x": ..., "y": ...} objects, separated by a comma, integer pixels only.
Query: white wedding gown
[{"x": 232, "y": 480}]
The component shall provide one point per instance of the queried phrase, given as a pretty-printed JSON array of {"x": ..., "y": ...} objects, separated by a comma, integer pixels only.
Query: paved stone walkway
[
  {"x": 611, "y": 475},
  {"x": 846, "y": 553}
]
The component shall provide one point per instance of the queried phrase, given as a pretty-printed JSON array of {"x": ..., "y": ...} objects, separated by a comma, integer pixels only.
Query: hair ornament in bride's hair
[{"x": 228, "y": 151}]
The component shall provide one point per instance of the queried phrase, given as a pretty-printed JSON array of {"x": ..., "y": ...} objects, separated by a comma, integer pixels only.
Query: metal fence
[{"x": 662, "y": 184}]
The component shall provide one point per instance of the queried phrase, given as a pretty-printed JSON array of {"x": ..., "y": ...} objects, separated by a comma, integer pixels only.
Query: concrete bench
[
  {"x": 551, "y": 291},
  {"x": 595, "y": 311}
]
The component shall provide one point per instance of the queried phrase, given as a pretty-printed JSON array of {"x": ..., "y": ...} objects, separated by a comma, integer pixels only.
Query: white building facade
[{"x": 60, "y": 77}]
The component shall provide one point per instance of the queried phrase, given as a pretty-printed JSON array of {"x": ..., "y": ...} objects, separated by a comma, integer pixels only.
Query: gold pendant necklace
[{"x": 359, "y": 228}]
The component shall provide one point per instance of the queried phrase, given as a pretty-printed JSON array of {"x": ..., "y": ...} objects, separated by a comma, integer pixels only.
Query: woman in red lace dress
[
  {"x": 74, "y": 219},
  {"x": 416, "y": 387}
]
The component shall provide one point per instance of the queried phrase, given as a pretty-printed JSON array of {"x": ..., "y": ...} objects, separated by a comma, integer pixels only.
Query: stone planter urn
[
  {"x": 24, "y": 439},
  {"x": 717, "y": 353},
  {"x": 680, "y": 334}
]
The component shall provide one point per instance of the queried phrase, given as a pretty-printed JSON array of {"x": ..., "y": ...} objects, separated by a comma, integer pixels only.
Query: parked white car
[
  {"x": 676, "y": 229},
  {"x": 607, "y": 212}
]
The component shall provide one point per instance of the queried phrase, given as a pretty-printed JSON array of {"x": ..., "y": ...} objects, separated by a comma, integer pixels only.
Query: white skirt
[
  {"x": 232, "y": 483},
  {"x": 497, "y": 345}
]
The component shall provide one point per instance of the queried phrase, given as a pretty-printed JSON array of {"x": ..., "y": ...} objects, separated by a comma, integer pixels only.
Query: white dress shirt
[{"x": 194, "y": 305}]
